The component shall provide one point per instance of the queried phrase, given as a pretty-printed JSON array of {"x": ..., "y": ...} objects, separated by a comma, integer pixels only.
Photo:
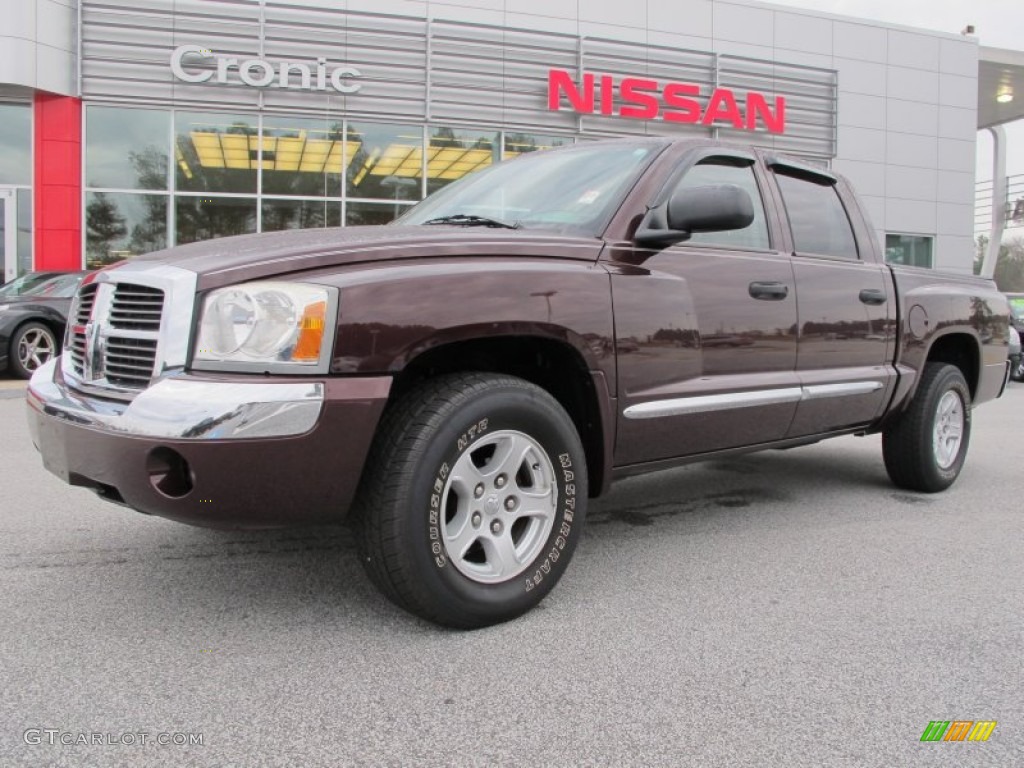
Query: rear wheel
[
  {"x": 31, "y": 345},
  {"x": 473, "y": 499},
  {"x": 925, "y": 450}
]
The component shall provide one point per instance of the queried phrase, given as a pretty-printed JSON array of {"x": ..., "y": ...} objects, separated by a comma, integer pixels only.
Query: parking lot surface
[{"x": 788, "y": 608}]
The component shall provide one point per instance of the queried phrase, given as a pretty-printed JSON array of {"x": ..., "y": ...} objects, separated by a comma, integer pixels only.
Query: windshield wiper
[{"x": 470, "y": 220}]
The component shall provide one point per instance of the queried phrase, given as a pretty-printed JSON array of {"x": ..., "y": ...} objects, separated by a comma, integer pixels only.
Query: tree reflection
[{"x": 104, "y": 225}]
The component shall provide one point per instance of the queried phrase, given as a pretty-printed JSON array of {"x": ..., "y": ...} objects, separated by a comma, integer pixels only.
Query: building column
[
  {"x": 999, "y": 199},
  {"x": 57, "y": 187}
]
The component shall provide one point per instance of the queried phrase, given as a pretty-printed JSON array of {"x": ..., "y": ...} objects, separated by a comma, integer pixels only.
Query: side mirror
[{"x": 712, "y": 208}]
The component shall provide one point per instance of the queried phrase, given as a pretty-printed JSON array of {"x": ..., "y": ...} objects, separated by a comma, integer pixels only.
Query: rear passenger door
[{"x": 845, "y": 303}]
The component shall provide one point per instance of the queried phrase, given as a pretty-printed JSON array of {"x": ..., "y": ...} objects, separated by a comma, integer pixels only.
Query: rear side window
[
  {"x": 817, "y": 218},
  {"x": 710, "y": 172}
]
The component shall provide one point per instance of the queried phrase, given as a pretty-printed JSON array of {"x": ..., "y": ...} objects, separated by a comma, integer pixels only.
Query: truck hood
[{"x": 249, "y": 257}]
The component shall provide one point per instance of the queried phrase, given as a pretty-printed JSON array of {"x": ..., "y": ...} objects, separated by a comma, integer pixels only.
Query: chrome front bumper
[
  {"x": 217, "y": 451},
  {"x": 184, "y": 407}
]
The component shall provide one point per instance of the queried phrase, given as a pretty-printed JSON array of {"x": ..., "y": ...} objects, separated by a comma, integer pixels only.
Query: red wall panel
[{"x": 58, "y": 182}]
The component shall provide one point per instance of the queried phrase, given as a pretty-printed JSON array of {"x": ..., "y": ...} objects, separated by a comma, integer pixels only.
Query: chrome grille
[
  {"x": 136, "y": 307},
  {"x": 129, "y": 362},
  {"x": 113, "y": 341},
  {"x": 86, "y": 300},
  {"x": 76, "y": 330}
]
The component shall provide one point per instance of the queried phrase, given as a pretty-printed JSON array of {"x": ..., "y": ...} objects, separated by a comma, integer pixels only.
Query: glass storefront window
[
  {"x": 518, "y": 143},
  {"x": 912, "y": 250},
  {"x": 15, "y": 144},
  {"x": 385, "y": 162},
  {"x": 300, "y": 214},
  {"x": 119, "y": 225},
  {"x": 204, "y": 218},
  {"x": 215, "y": 152},
  {"x": 126, "y": 148},
  {"x": 372, "y": 213},
  {"x": 303, "y": 157},
  {"x": 454, "y": 153}
]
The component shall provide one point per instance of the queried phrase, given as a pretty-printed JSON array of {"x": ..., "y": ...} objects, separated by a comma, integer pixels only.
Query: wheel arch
[
  {"x": 555, "y": 365},
  {"x": 961, "y": 350}
]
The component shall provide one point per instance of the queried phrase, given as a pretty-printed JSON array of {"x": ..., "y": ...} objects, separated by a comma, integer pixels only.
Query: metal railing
[{"x": 1014, "y": 203}]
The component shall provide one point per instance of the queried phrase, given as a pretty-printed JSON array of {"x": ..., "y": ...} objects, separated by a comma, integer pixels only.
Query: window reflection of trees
[
  {"x": 121, "y": 225},
  {"x": 206, "y": 218}
]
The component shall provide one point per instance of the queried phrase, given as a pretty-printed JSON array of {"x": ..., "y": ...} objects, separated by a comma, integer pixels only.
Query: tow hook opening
[{"x": 169, "y": 473}]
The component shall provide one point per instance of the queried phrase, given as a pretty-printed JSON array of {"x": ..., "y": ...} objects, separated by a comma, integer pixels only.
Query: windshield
[
  {"x": 24, "y": 284},
  {"x": 45, "y": 285},
  {"x": 568, "y": 189}
]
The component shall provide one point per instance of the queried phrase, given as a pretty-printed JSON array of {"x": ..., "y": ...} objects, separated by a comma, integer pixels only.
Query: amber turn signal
[{"x": 311, "y": 332}]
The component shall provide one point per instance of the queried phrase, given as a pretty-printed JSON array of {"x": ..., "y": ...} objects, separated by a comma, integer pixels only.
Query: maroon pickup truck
[{"x": 464, "y": 379}]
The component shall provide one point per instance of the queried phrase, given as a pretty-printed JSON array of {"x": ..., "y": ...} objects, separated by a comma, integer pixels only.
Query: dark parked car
[
  {"x": 33, "y": 314},
  {"x": 1017, "y": 320}
]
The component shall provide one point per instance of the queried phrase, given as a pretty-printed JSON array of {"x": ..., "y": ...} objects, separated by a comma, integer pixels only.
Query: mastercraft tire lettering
[{"x": 473, "y": 499}]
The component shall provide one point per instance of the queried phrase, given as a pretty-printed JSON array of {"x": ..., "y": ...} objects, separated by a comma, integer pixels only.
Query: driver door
[{"x": 706, "y": 333}]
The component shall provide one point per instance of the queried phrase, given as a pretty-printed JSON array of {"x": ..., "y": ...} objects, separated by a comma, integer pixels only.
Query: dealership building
[{"x": 128, "y": 126}]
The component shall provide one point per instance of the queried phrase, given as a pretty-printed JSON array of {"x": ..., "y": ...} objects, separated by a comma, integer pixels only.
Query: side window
[
  {"x": 817, "y": 218},
  {"x": 711, "y": 172}
]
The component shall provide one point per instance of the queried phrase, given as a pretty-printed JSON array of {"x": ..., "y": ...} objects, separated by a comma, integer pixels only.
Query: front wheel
[
  {"x": 925, "y": 450},
  {"x": 472, "y": 500}
]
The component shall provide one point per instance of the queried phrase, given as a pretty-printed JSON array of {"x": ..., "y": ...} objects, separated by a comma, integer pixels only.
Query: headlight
[{"x": 266, "y": 326}]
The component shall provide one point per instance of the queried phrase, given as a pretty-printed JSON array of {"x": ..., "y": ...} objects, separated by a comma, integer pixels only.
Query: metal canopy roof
[{"x": 1000, "y": 72}]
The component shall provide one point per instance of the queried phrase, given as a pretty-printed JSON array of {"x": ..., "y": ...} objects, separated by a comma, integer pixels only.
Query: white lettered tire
[{"x": 473, "y": 499}]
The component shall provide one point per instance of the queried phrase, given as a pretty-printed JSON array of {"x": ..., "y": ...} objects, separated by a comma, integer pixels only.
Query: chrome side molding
[{"x": 683, "y": 406}]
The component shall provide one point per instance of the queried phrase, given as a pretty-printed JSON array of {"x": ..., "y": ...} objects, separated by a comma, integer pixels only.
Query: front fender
[{"x": 391, "y": 314}]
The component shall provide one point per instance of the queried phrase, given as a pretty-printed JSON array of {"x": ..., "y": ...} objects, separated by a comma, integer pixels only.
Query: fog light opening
[{"x": 169, "y": 473}]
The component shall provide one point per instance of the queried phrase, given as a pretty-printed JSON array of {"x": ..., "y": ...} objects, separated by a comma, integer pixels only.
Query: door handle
[
  {"x": 873, "y": 296},
  {"x": 769, "y": 291}
]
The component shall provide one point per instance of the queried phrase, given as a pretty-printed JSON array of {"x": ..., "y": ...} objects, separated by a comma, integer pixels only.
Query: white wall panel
[
  {"x": 859, "y": 42},
  {"x": 955, "y": 218},
  {"x": 910, "y": 216},
  {"x": 803, "y": 32},
  {"x": 862, "y": 111},
  {"x": 909, "y": 49},
  {"x": 958, "y": 91},
  {"x": 857, "y": 76},
  {"x": 614, "y": 12},
  {"x": 955, "y": 253},
  {"x": 956, "y": 155},
  {"x": 956, "y": 122},
  {"x": 693, "y": 18},
  {"x": 911, "y": 183},
  {"x": 867, "y": 178},
  {"x": 911, "y": 117},
  {"x": 955, "y": 187},
  {"x": 743, "y": 24},
  {"x": 861, "y": 144},
  {"x": 912, "y": 84},
  {"x": 958, "y": 57},
  {"x": 908, "y": 149}
]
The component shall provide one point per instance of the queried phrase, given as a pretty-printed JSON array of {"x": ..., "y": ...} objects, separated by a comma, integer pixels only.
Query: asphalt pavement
[{"x": 788, "y": 608}]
